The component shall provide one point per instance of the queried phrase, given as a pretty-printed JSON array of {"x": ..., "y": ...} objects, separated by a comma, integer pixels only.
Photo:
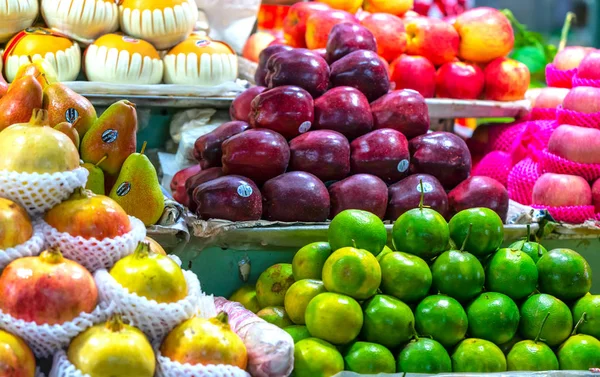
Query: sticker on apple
[
  {"x": 244, "y": 190},
  {"x": 403, "y": 166},
  {"x": 427, "y": 187},
  {"x": 304, "y": 127}
]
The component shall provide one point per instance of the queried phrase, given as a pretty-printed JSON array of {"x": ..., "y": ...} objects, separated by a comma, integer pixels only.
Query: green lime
[
  {"x": 369, "y": 358},
  {"x": 316, "y": 358},
  {"x": 478, "y": 356},
  {"x": 246, "y": 296},
  {"x": 493, "y": 316},
  {"x": 353, "y": 272},
  {"x": 506, "y": 347},
  {"x": 297, "y": 332},
  {"x": 487, "y": 231},
  {"x": 275, "y": 315},
  {"x": 388, "y": 321},
  {"x": 531, "y": 356},
  {"x": 513, "y": 273},
  {"x": 308, "y": 261},
  {"x": 299, "y": 295},
  {"x": 442, "y": 318},
  {"x": 590, "y": 305},
  {"x": 565, "y": 274},
  {"x": 422, "y": 232},
  {"x": 533, "y": 249},
  {"x": 424, "y": 355},
  {"x": 273, "y": 283},
  {"x": 458, "y": 274},
  {"x": 358, "y": 229},
  {"x": 386, "y": 250},
  {"x": 405, "y": 276},
  {"x": 558, "y": 324},
  {"x": 579, "y": 352},
  {"x": 328, "y": 313}
]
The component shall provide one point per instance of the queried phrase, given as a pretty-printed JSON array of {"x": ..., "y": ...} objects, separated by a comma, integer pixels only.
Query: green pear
[
  {"x": 137, "y": 189},
  {"x": 95, "y": 182}
]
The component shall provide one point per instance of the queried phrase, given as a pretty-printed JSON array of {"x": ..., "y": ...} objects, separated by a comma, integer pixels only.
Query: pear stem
[
  {"x": 537, "y": 337},
  {"x": 581, "y": 320},
  {"x": 462, "y": 247},
  {"x": 144, "y": 147},
  {"x": 565, "y": 31},
  {"x": 101, "y": 160}
]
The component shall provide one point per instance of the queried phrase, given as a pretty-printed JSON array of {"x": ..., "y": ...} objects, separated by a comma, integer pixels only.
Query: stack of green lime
[{"x": 427, "y": 304}]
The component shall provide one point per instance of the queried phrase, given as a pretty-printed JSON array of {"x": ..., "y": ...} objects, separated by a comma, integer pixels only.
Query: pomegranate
[
  {"x": 150, "y": 275},
  {"x": 15, "y": 224},
  {"x": 16, "y": 359},
  {"x": 112, "y": 349},
  {"x": 47, "y": 289},
  {"x": 205, "y": 341},
  {"x": 89, "y": 216}
]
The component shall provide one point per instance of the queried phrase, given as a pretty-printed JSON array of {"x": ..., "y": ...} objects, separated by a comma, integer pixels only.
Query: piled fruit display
[
  {"x": 131, "y": 56},
  {"x": 463, "y": 57},
  {"x": 448, "y": 300}
]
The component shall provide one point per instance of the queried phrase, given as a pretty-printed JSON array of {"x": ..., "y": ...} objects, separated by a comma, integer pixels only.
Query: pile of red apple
[{"x": 462, "y": 57}]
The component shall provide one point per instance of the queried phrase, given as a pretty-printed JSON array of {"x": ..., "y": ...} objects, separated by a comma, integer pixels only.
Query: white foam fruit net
[
  {"x": 45, "y": 340},
  {"x": 38, "y": 193},
  {"x": 155, "y": 319},
  {"x": 166, "y": 367},
  {"x": 94, "y": 254},
  {"x": 32, "y": 247}
]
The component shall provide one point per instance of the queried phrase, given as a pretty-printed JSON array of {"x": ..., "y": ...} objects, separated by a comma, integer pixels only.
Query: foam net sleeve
[
  {"x": 32, "y": 247},
  {"x": 558, "y": 78}
]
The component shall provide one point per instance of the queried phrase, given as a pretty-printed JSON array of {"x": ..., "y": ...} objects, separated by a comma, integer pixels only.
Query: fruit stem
[
  {"x": 39, "y": 117},
  {"x": 101, "y": 160},
  {"x": 528, "y": 236},
  {"x": 45, "y": 79},
  {"x": 223, "y": 317},
  {"x": 144, "y": 147},
  {"x": 464, "y": 244},
  {"x": 565, "y": 30},
  {"x": 115, "y": 323},
  {"x": 142, "y": 250},
  {"x": 76, "y": 121},
  {"x": 52, "y": 255},
  {"x": 537, "y": 337},
  {"x": 581, "y": 320}
]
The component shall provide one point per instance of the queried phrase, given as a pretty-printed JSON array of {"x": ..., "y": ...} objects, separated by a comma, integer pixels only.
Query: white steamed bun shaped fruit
[
  {"x": 81, "y": 20},
  {"x": 200, "y": 61},
  {"x": 33, "y": 43},
  {"x": 16, "y": 15},
  {"x": 117, "y": 58},
  {"x": 164, "y": 23}
]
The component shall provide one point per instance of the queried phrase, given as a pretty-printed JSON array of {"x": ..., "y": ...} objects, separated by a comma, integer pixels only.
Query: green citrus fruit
[
  {"x": 422, "y": 232},
  {"x": 297, "y": 332},
  {"x": 358, "y": 229},
  {"x": 442, "y": 318},
  {"x": 316, "y": 358},
  {"x": 273, "y": 283},
  {"x": 369, "y": 358},
  {"x": 493, "y": 316},
  {"x": 386, "y": 250},
  {"x": 487, "y": 232},
  {"x": 353, "y": 272},
  {"x": 531, "y": 356},
  {"x": 478, "y": 356},
  {"x": 558, "y": 325},
  {"x": 299, "y": 295},
  {"x": 405, "y": 276},
  {"x": 458, "y": 274},
  {"x": 308, "y": 261},
  {"x": 590, "y": 305},
  {"x": 246, "y": 296},
  {"x": 333, "y": 317},
  {"x": 579, "y": 352},
  {"x": 424, "y": 355},
  {"x": 533, "y": 249},
  {"x": 513, "y": 273},
  {"x": 275, "y": 315},
  {"x": 506, "y": 347},
  {"x": 565, "y": 274},
  {"x": 388, "y": 321}
]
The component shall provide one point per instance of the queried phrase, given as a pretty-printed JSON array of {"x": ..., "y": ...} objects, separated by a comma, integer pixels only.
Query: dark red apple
[
  {"x": 288, "y": 110},
  {"x": 178, "y": 184},
  {"x": 348, "y": 37},
  {"x": 345, "y": 110},
  {"x": 323, "y": 153},
  {"x": 363, "y": 70},
  {"x": 261, "y": 70},
  {"x": 596, "y": 195},
  {"x": 295, "y": 196},
  {"x": 196, "y": 180},
  {"x": 232, "y": 197},
  {"x": 406, "y": 195},
  {"x": 383, "y": 153},
  {"x": 242, "y": 104},
  {"x": 479, "y": 191},
  {"x": 414, "y": 72},
  {"x": 402, "y": 110},
  {"x": 361, "y": 191},
  {"x": 298, "y": 67},
  {"x": 207, "y": 148},
  {"x": 257, "y": 154},
  {"x": 443, "y": 155},
  {"x": 584, "y": 99},
  {"x": 558, "y": 190}
]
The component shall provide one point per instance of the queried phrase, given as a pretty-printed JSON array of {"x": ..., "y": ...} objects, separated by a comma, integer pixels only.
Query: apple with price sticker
[
  {"x": 232, "y": 197},
  {"x": 406, "y": 195}
]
